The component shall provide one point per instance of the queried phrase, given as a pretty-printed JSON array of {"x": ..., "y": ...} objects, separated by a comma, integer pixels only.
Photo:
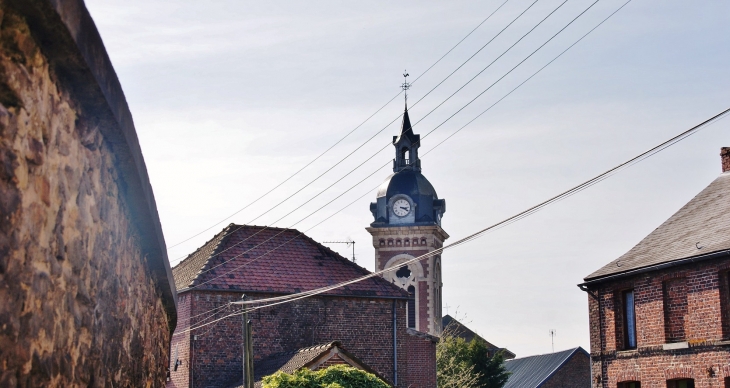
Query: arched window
[
  {"x": 411, "y": 307},
  {"x": 404, "y": 155}
]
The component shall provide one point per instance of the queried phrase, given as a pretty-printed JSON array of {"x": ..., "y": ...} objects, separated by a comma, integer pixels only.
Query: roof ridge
[{"x": 545, "y": 354}]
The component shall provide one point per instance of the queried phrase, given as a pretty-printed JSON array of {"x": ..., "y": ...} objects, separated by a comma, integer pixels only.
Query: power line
[
  {"x": 380, "y": 150},
  {"x": 525, "y": 213},
  {"x": 352, "y": 131},
  {"x": 416, "y": 123},
  {"x": 366, "y": 193},
  {"x": 386, "y": 126}
]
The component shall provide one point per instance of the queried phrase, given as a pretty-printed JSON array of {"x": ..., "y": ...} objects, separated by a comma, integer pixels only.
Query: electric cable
[
  {"x": 385, "y": 146},
  {"x": 352, "y": 131},
  {"x": 388, "y": 144},
  {"x": 523, "y": 214},
  {"x": 535, "y": 73}
]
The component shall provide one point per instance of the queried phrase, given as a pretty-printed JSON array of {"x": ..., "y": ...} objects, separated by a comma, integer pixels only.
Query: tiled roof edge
[
  {"x": 655, "y": 267},
  {"x": 226, "y": 233}
]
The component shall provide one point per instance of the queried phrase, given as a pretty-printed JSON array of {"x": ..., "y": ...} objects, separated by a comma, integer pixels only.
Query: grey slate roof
[
  {"x": 458, "y": 329},
  {"x": 705, "y": 220},
  {"x": 533, "y": 371}
]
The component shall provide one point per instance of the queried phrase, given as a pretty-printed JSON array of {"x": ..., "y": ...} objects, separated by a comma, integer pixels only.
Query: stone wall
[
  {"x": 685, "y": 303},
  {"x": 79, "y": 303},
  {"x": 363, "y": 325}
]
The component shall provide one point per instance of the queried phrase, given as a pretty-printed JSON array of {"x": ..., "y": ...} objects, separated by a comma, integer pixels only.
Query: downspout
[
  {"x": 597, "y": 297},
  {"x": 604, "y": 380},
  {"x": 395, "y": 347}
]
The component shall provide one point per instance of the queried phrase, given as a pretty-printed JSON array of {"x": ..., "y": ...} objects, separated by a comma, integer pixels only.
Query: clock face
[{"x": 401, "y": 207}]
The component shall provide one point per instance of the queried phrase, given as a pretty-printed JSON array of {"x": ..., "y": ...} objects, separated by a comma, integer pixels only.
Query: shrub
[{"x": 336, "y": 376}]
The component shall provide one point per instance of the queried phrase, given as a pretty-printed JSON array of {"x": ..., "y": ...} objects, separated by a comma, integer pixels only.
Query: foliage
[
  {"x": 336, "y": 376},
  {"x": 462, "y": 364}
]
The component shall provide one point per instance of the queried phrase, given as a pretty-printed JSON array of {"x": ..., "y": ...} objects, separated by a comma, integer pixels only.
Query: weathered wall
[
  {"x": 364, "y": 327},
  {"x": 78, "y": 303},
  {"x": 576, "y": 373},
  {"x": 694, "y": 295}
]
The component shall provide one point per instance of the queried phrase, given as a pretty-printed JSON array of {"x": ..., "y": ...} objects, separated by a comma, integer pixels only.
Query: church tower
[{"x": 407, "y": 224}]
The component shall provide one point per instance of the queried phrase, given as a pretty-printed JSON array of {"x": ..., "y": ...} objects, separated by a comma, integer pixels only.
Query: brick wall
[
  {"x": 180, "y": 345},
  {"x": 364, "y": 327},
  {"x": 675, "y": 309},
  {"x": 421, "y": 358},
  {"x": 696, "y": 293},
  {"x": 79, "y": 303},
  {"x": 576, "y": 373}
]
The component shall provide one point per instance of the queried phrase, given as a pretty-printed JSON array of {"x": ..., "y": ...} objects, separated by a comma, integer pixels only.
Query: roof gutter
[{"x": 707, "y": 256}]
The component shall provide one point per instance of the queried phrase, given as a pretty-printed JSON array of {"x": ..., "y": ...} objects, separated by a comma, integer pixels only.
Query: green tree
[
  {"x": 491, "y": 370},
  {"x": 336, "y": 376},
  {"x": 462, "y": 364}
]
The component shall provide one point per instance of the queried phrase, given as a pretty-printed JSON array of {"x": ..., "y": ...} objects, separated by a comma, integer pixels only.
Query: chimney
[{"x": 725, "y": 157}]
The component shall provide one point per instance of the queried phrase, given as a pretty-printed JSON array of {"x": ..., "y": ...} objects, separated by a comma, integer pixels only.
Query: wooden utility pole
[{"x": 247, "y": 348}]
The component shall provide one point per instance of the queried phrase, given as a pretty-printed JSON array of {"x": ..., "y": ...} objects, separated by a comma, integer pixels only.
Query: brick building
[
  {"x": 368, "y": 318},
  {"x": 565, "y": 369},
  {"x": 86, "y": 292},
  {"x": 660, "y": 314}
]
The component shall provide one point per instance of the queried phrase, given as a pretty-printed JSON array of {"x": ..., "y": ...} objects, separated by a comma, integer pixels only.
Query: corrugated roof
[
  {"x": 703, "y": 222},
  {"x": 458, "y": 329},
  {"x": 275, "y": 260},
  {"x": 531, "y": 372}
]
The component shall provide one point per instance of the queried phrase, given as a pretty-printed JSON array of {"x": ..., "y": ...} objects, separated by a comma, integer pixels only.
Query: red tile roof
[{"x": 273, "y": 260}]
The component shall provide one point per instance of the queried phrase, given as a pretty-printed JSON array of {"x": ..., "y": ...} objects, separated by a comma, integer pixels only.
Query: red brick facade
[
  {"x": 575, "y": 373},
  {"x": 681, "y": 327},
  {"x": 211, "y": 356}
]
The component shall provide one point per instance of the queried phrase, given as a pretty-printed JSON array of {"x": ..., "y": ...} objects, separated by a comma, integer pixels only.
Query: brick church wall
[
  {"x": 695, "y": 296},
  {"x": 80, "y": 304},
  {"x": 576, "y": 373},
  {"x": 363, "y": 325}
]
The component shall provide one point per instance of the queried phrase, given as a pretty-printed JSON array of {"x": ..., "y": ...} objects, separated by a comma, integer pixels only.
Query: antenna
[
  {"x": 553, "y": 333},
  {"x": 406, "y": 85},
  {"x": 348, "y": 242}
]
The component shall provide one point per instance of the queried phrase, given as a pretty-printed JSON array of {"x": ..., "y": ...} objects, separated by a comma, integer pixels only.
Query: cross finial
[
  {"x": 446, "y": 306},
  {"x": 406, "y": 85}
]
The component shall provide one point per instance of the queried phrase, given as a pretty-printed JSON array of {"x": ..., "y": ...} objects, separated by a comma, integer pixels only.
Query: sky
[{"x": 230, "y": 98}]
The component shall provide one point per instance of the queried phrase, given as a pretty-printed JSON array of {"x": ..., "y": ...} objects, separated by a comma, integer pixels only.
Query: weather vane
[{"x": 406, "y": 85}]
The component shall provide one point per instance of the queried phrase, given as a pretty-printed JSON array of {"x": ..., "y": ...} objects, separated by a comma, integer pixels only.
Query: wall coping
[{"x": 70, "y": 41}]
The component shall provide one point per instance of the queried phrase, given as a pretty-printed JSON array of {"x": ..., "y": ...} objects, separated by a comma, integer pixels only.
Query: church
[{"x": 386, "y": 325}]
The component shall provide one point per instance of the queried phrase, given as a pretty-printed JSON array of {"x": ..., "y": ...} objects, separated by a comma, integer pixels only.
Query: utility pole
[{"x": 247, "y": 348}]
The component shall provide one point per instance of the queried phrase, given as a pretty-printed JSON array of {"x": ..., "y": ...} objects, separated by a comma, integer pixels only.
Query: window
[
  {"x": 404, "y": 155},
  {"x": 629, "y": 384},
  {"x": 681, "y": 383},
  {"x": 629, "y": 320},
  {"x": 411, "y": 307}
]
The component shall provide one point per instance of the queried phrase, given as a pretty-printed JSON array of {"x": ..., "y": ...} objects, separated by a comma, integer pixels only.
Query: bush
[
  {"x": 462, "y": 364},
  {"x": 336, "y": 376}
]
